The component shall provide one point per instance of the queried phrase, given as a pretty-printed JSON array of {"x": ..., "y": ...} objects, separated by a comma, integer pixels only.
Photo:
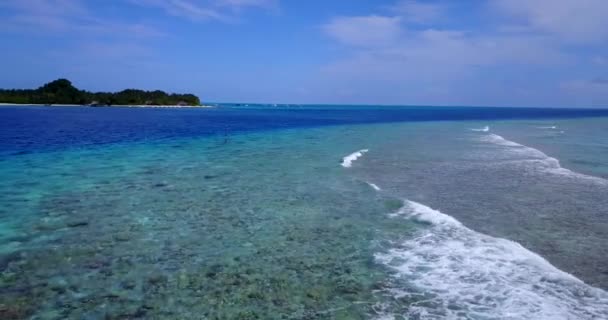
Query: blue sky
[{"x": 550, "y": 53}]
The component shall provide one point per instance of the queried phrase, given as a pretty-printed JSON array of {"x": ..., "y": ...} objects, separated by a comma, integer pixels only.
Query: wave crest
[
  {"x": 484, "y": 129},
  {"x": 540, "y": 159},
  {"x": 460, "y": 272},
  {"x": 347, "y": 161}
]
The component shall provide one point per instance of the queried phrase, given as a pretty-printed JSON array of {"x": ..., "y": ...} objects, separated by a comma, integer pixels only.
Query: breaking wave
[
  {"x": 347, "y": 161},
  {"x": 538, "y": 158},
  {"x": 374, "y": 186},
  {"x": 484, "y": 129},
  {"x": 449, "y": 271}
]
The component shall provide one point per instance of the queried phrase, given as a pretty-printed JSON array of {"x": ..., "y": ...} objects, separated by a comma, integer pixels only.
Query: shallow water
[{"x": 250, "y": 213}]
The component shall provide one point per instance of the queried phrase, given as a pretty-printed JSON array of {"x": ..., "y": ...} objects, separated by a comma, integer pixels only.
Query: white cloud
[
  {"x": 63, "y": 16},
  {"x": 205, "y": 10},
  {"x": 443, "y": 56},
  {"x": 365, "y": 31},
  {"x": 46, "y": 7},
  {"x": 419, "y": 12},
  {"x": 572, "y": 20},
  {"x": 239, "y": 4},
  {"x": 182, "y": 8},
  {"x": 389, "y": 38},
  {"x": 403, "y": 58},
  {"x": 94, "y": 43}
]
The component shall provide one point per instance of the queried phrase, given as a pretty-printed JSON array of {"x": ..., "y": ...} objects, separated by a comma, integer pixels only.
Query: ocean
[{"x": 303, "y": 212}]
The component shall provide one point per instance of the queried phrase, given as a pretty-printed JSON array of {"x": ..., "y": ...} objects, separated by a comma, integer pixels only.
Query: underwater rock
[
  {"x": 183, "y": 281},
  {"x": 49, "y": 314},
  {"x": 77, "y": 223},
  {"x": 9, "y": 312},
  {"x": 6, "y": 259},
  {"x": 128, "y": 284},
  {"x": 157, "y": 278},
  {"x": 58, "y": 284},
  {"x": 122, "y": 236},
  {"x": 126, "y": 311},
  {"x": 349, "y": 286},
  {"x": 315, "y": 294}
]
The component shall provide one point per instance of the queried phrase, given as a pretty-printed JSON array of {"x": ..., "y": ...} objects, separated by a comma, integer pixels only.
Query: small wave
[
  {"x": 484, "y": 129},
  {"x": 374, "y": 186},
  {"x": 460, "y": 273},
  {"x": 347, "y": 161},
  {"x": 539, "y": 158},
  {"x": 548, "y": 127},
  {"x": 499, "y": 140}
]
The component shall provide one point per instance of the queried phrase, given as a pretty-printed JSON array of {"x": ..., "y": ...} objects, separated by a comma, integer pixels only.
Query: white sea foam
[
  {"x": 539, "y": 159},
  {"x": 484, "y": 129},
  {"x": 374, "y": 186},
  {"x": 548, "y": 127},
  {"x": 347, "y": 161},
  {"x": 451, "y": 272}
]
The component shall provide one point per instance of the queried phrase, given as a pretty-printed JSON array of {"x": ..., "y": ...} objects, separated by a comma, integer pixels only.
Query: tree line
[{"x": 62, "y": 91}]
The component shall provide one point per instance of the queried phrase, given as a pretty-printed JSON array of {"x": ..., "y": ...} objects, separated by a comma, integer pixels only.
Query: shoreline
[{"x": 4, "y": 104}]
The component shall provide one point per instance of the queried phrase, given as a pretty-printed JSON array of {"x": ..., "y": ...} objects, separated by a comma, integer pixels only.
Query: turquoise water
[{"x": 430, "y": 220}]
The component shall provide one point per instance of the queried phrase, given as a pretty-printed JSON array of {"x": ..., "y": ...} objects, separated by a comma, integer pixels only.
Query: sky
[{"x": 534, "y": 53}]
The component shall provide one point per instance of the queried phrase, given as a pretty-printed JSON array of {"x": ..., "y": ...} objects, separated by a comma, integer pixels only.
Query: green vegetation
[{"x": 62, "y": 91}]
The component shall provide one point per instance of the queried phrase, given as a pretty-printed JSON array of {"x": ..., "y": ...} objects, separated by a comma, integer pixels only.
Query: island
[{"x": 62, "y": 92}]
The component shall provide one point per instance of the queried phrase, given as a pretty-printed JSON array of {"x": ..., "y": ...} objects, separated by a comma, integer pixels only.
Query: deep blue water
[{"x": 31, "y": 128}]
